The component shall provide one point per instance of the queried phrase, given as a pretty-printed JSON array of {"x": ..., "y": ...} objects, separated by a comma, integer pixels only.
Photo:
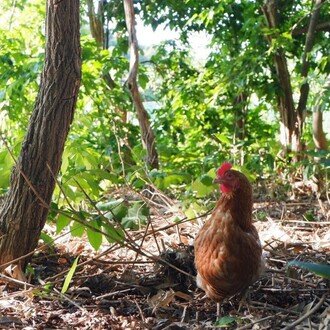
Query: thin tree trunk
[
  {"x": 285, "y": 101},
  {"x": 309, "y": 42},
  {"x": 292, "y": 119},
  {"x": 319, "y": 137},
  {"x": 240, "y": 108},
  {"x": 26, "y": 206},
  {"x": 96, "y": 22},
  {"x": 148, "y": 137},
  {"x": 97, "y": 27}
]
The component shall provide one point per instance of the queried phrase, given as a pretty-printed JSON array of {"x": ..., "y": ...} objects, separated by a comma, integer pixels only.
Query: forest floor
[{"x": 142, "y": 286}]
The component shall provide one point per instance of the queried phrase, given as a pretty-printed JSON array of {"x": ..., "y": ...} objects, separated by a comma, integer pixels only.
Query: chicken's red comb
[{"x": 223, "y": 169}]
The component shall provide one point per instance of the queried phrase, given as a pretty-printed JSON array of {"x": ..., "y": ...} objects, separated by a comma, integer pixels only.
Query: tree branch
[
  {"x": 304, "y": 89},
  {"x": 324, "y": 26},
  {"x": 286, "y": 104},
  {"x": 96, "y": 22},
  {"x": 148, "y": 137}
]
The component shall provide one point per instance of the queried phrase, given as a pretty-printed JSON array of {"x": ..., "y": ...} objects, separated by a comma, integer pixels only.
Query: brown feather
[{"x": 227, "y": 248}]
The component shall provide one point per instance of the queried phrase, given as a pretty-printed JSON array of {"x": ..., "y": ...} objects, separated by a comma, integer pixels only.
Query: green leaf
[
  {"x": 137, "y": 214},
  {"x": 94, "y": 237},
  {"x": 117, "y": 209},
  {"x": 77, "y": 229},
  {"x": 206, "y": 180},
  {"x": 200, "y": 189},
  {"x": 46, "y": 238},
  {"x": 225, "y": 321},
  {"x": 65, "y": 161},
  {"x": 68, "y": 277},
  {"x": 322, "y": 270},
  {"x": 174, "y": 179},
  {"x": 309, "y": 216},
  {"x": 223, "y": 138},
  {"x": 115, "y": 235},
  {"x": 62, "y": 221},
  {"x": 193, "y": 211}
]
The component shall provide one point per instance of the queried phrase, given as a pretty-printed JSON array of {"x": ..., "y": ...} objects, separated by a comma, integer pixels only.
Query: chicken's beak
[{"x": 217, "y": 180}]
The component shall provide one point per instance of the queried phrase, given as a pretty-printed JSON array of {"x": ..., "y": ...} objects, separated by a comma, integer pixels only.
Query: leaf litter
[{"x": 152, "y": 285}]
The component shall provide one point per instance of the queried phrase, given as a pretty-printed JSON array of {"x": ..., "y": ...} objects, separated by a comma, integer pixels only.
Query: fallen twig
[{"x": 309, "y": 313}]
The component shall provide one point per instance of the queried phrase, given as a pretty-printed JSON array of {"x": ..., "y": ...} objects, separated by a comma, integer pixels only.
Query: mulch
[{"x": 152, "y": 286}]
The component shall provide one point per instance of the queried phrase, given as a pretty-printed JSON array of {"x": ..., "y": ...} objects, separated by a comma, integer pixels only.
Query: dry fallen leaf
[{"x": 161, "y": 299}]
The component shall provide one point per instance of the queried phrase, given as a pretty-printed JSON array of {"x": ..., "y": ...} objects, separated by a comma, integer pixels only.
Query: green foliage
[
  {"x": 94, "y": 234},
  {"x": 137, "y": 215},
  {"x": 69, "y": 276},
  {"x": 47, "y": 239},
  {"x": 115, "y": 209},
  {"x": 203, "y": 112},
  {"x": 226, "y": 322},
  {"x": 62, "y": 222}
]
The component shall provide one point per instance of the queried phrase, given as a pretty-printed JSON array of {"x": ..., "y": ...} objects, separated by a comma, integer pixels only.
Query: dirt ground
[{"x": 149, "y": 283}]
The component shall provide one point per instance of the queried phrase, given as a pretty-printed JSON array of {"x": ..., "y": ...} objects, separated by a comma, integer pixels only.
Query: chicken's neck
[{"x": 239, "y": 204}]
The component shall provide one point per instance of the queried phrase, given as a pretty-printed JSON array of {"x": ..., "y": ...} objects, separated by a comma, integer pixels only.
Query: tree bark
[
  {"x": 148, "y": 137},
  {"x": 319, "y": 137},
  {"x": 292, "y": 119},
  {"x": 96, "y": 22},
  {"x": 240, "y": 108},
  {"x": 324, "y": 26},
  {"x": 26, "y": 206},
  {"x": 304, "y": 89},
  {"x": 285, "y": 101}
]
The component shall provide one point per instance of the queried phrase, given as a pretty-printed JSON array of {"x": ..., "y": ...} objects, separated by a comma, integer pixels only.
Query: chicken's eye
[{"x": 229, "y": 175}]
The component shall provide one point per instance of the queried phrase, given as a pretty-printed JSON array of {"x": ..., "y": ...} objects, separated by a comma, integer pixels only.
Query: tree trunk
[
  {"x": 240, "y": 108},
  {"x": 148, "y": 137},
  {"x": 319, "y": 137},
  {"x": 26, "y": 206},
  {"x": 304, "y": 89},
  {"x": 292, "y": 119},
  {"x": 96, "y": 22},
  {"x": 288, "y": 115}
]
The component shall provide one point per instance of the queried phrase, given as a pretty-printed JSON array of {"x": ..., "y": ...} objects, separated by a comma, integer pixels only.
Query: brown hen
[{"x": 228, "y": 254}]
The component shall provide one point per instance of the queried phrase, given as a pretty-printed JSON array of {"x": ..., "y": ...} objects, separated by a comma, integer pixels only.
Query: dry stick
[
  {"x": 149, "y": 201},
  {"x": 140, "y": 310},
  {"x": 65, "y": 297},
  {"x": 85, "y": 224},
  {"x": 257, "y": 304},
  {"x": 40, "y": 248},
  {"x": 153, "y": 234},
  {"x": 309, "y": 313},
  {"x": 271, "y": 289},
  {"x": 124, "y": 262},
  {"x": 119, "y": 154},
  {"x": 248, "y": 326},
  {"x": 310, "y": 223},
  {"x": 183, "y": 314},
  {"x": 62, "y": 190},
  {"x": 112, "y": 293},
  {"x": 74, "y": 211},
  {"x": 18, "y": 293},
  {"x": 12, "y": 280},
  {"x": 102, "y": 215},
  {"x": 185, "y": 219},
  {"x": 44, "y": 204},
  {"x": 143, "y": 238},
  {"x": 113, "y": 248},
  {"x": 178, "y": 233},
  {"x": 137, "y": 248}
]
